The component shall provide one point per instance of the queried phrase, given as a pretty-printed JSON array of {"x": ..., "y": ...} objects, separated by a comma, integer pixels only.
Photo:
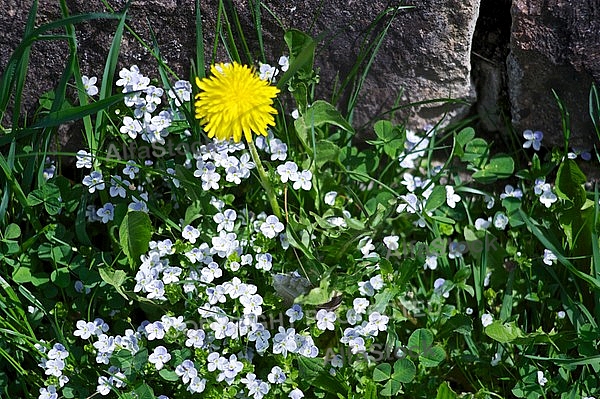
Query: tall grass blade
[{"x": 200, "y": 71}]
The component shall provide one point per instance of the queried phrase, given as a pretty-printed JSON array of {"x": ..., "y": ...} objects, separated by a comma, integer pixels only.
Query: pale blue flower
[{"x": 533, "y": 139}]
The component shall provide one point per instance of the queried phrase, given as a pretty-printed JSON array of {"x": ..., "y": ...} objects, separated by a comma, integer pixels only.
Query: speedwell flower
[{"x": 234, "y": 100}]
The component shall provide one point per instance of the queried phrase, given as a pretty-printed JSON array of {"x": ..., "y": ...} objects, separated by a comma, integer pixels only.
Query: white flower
[
  {"x": 190, "y": 233},
  {"x": 456, "y": 249},
  {"x": 325, "y": 320},
  {"x": 561, "y": 314},
  {"x": 483, "y": 224},
  {"x": 366, "y": 246},
  {"x": 549, "y": 257},
  {"x": 469, "y": 311},
  {"x": 411, "y": 204},
  {"x": 391, "y": 242},
  {"x": 106, "y": 213},
  {"x": 267, "y": 72},
  {"x": 288, "y": 171},
  {"x": 541, "y": 379},
  {"x": 451, "y": 197},
  {"x": 197, "y": 385},
  {"x": 94, "y": 181},
  {"x": 84, "y": 159},
  {"x": 500, "y": 221},
  {"x": 303, "y": 180},
  {"x": 548, "y": 198},
  {"x": 284, "y": 63},
  {"x": 295, "y": 313},
  {"x": 276, "y": 376},
  {"x": 330, "y": 198},
  {"x": 360, "y": 305},
  {"x": 510, "y": 191},
  {"x": 430, "y": 262},
  {"x": 271, "y": 226},
  {"x": 89, "y": 84},
  {"x": 533, "y": 139},
  {"x": 377, "y": 322},
  {"x": 296, "y": 394},
  {"x": 131, "y": 127},
  {"x": 181, "y": 91},
  {"x": 55, "y": 367},
  {"x": 84, "y": 329},
  {"x": 365, "y": 288},
  {"x": 376, "y": 282},
  {"x": 103, "y": 387},
  {"x": 357, "y": 345},
  {"x": 186, "y": 370},
  {"x": 486, "y": 319},
  {"x": 159, "y": 357},
  {"x": 48, "y": 393}
]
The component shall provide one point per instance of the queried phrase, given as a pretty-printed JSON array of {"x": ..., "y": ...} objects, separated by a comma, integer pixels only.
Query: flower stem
[{"x": 264, "y": 179}]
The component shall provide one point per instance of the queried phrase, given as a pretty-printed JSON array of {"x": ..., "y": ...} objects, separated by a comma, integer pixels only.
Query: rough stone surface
[
  {"x": 438, "y": 49},
  {"x": 47, "y": 60},
  {"x": 555, "y": 44},
  {"x": 426, "y": 54}
]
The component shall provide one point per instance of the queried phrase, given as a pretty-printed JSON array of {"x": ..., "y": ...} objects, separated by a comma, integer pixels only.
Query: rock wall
[{"x": 501, "y": 57}]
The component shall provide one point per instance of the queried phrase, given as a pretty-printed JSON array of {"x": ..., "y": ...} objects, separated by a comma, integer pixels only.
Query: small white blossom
[
  {"x": 541, "y": 379},
  {"x": 486, "y": 319},
  {"x": 549, "y": 257}
]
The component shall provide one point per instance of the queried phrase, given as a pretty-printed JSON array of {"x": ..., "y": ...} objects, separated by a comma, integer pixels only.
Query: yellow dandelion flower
[{"x": 234, "y": 100}]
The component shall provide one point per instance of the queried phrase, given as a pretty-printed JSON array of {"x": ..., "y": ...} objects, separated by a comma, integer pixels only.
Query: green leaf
[
  {"x": 144, "y": 392},
  {"x": 168, "y": 375},
  {"x": 326, "y": 151},
  {"x": 318, "y": 295},
  {"x": 60, "y": 277},
  {"x": 465, "y": 136},
  {"x": 302, "y": 53},
  {"x": 433, "y": 356},
  {"x": 382, "y": 372},
  {"x": 436, "y": 199},
  {"x": 115, "y": 278},
  {"x": 382, "y": 299},
  {"x": 404, "y": 370},
  {"x": 445, "y": 392},
  {"x": 12, "y": 232},
  {"x": 503, "y": 333},
  {"x": 499, "y": 167},
  {"x": 391, "y": 388},
  {"x": 392, "y": 137},
  {"x": 320, "y": 113},
  {"x": 314, "y": 373},
  {"x": 135, "y": 233},
  {"x": 569, "y": 181},
  {"x": 476, "y": 152},
  {"x": 49, "y": 195},
  {"x": 420, "y": 341}
]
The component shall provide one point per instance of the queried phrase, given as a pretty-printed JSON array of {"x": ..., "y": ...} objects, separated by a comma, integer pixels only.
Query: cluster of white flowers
[
  {"x": 53, "y": 363},
  {"x": 544, "y": 191},
  {"x": 216, "y": 158}
]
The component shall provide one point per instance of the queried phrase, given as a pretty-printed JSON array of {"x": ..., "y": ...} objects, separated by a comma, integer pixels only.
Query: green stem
[{"x": 264, "y": 180}]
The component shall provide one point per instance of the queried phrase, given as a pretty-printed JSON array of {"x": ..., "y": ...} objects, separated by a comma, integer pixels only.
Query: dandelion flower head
[{"x": 234, "y": 100}]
